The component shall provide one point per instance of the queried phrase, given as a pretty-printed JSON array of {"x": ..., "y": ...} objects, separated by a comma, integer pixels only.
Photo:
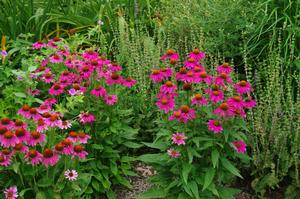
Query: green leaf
[
  {"x": 110, "y": 194},
  {"x": 40, "y": 195},
  {"x": 113, "y": 167},
  {"x": 186, "y": 168},
  {"x": 153, "y": 193},
  {"x": 228, "y": 193},
  {"x": 194, "y": 188},
  {"x": 215, "y": 157},
  {"x": 19, "y": 94},
  {"x": 16, "y": 166},
  {"x": 45, "y": 182},
  {"x": 152, "y": 158},
  {"x": 96, "y": 185},
  {"x": 132, "y": 145},
  {"x": 230, "y": 167},
  {"x": 24, "y": 191},
  {"x": 209, "y": 176}
]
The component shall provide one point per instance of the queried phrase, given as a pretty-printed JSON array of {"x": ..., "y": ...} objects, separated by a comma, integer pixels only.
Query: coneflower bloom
[
  {"x": 47, "y": 77},
  {"x": 104, "y": 73},
  {"x": 83, "y": 137},
  {"x": 50, "y": 101},
  {"x": 79, "y": 88},
  {"x": 222, "y": 78},
  {"x": 156, "y": 76},
  {"x": 204, "y": 77},
  {"x": 43, "y": 108},
  {"x": 53, "y": 120},
  {"x": 165, "y": 103},
  {"x": 11, "y": 193},
  {"x": 71, "y": 175},
  {"x": 7, "y": 152},
  {"x": 249, "y": 103},
  {"x": 224, "y": 110},
  {"x": 240, "y": 146},
  {"x": 73, "y": 136},
  {"x": 49, "y": 157},
  {"x": 33, "y": 114},
  {"x": 78, "y": 151},
  {"x": 243, "y": 87},
  {"x": 6, "y": 122},
  {"x": 110, "y": 99},
  {"x": 22, "y": 135},
  {"x": 166, "y": 72},
  {"x": 99, "y": 91},
  {"x": 86, "y": 71},
  {"x": 64, "y": 124},
  {"x": 236, "y": 102},
  {"x": 59, "y": 148},
  {"x": 114, "y": 78},
  {"x": 56, "y": 89},
  {"x": 187, "y": 113},
  {"x": 199, "y": 99},
  {"x": 190, "y": 63},
  {"x": 21, "y": 148},
  {"x": 41, "y": 125},
  {"x": 170, "y": 55},
  {"x": 33, "y": 157},
  {"x": 128, "y": 82},
  {"x": 36, "y": 138},
  {"x": 181, "y": 74},
  {"x": 56, "y": 59},
  {"x": 224, "y": 68},
  {"x": 68, "y": 147},
  {"x": 216, "y": 96},
  {"x": 197, "y": 55},
  {"x": 5, "y": 160},
  {"x": 168, "y": 87},
  {"x": 114, "y": 67},
  {"x": 173, "y": 153},
  {"x": 90, "y": 54},
  {"x": 38, "y": 45},
  {"x": 24, "y": 111},
  {"x": 9, "y": 139},
  {"x": 86, "y": 118},
  {"x": 215, "y": 126},
  {"x": 178, "y": 138},
  {"x": 189, "y": 77},
  {"x": 176, "y": 116},
  {"x": 239, "y": 112},
  {"x": 3, "y": 129}
]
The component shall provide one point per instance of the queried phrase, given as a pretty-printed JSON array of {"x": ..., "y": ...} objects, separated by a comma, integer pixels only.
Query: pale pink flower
[
  {"x": 240, "y": 146},
  {"x": 179, "y": 138},
  {"x": 11, "y": 192},
  {"x": 173, "y": 153},
  {"x": 71, "y": 175}
]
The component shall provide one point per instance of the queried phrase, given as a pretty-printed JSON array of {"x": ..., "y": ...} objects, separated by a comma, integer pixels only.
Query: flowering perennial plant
[{"x": 208, "y": 109}]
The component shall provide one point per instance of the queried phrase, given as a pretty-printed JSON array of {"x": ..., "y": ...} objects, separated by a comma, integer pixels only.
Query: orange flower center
[
  {"x": 66, "y": 142},
  {"x": 163, "y": 69},
  {"x": 225, "y": 65},
  {"x": 164, "y": 101},
  {"x": 5, "y": 121},
  {"x": 6, "y": 151},
  {"x": 237, "y": 98},
  {"x": 191, "y": 60},
  {"x": 2, "y": 130},
  {"x": 223, "y": 75},
  {"x": 46, "y": 115},
  {"x": 198, "y": 96},
  {"x": 18, "y": 123},
  {"x": 81, "y": 135},
  {"x": 155, "y": 72},
  {"x": 190, "y": 74},
  {"x": 196, "y": 51},
  {"x": 8, "y": 134},
  {"x": 203, "y": 74},
  {"x": 215, "y": 92},
  {"x": 187, "y": 86},
  {"x": 32, "y": 153},
  {"x": 76, "y": 86},
  {"x": 177, "y": 114},
  {"x": 73, "y": 134},
  {"x": 173, "y": 61},
  {"x": 115, "y": 76},
  {"x": 59, "y": 147},
  {"x": 25, "y": 108},
  {"x": 197, "y": 69},
  {"x": 185, "y": 108},
  {"x": 20, "y": 132},
  {"x": 2, "y": 158},
  {"x": 78, "y": 148},
  {"x": 170, "y": 52},
  {"x": 217, "y": 123},
  {"x": 85, "y": 68},
  {"x": 35, "y": 135},
  {"x": 18, "y": 146},
  {"x": 48, "y": 153},
  {"x": 56, "y": 86},
  {"x": 224, "y": 106},
  {"x": 243, "y": 83},
  {"x": 169, "y": 84}
]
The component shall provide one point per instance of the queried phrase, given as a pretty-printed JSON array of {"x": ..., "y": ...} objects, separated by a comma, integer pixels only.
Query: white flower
[{"x": 71, "y": 175}]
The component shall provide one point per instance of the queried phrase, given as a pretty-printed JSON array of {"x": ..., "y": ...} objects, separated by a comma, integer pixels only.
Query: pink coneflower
[
  {"x": 5, "y": 160},
  {"x": 215, "y": 126},
  {"x": 44, "y": 62},
  {"x": 36, "y": 138},
  {"x": 239, "y": 112},
  {"x": 110, "y": 99},
  {"x": 198, "y": 69},
  {"x": 9, "y": 139},
  {"x": 197, "y": 55},
  {"x": 199, "y": 99},
  {"x": 224, "y": 68},
  {"x": 86, "y": 71},
  {"x": 22, "y": 135},
  {"x": 222, "y": 78},
  {"x": 170, "y": 55},
  {"x": 181, "y": 74},
  {"x": 43, "y": 108},
  {"x": 114, "y": 67},
  {"x": 128, "y": 82},
  {"x": 78, "y": 151},
  {"x": 41, "y": 125},
  {"x": 236, "y": 102},
  {"x": 224, "y": 110},
  {"x": 50, "y": 101},
  {"x": 68, "y": 147},
  {"x": 187, "y": 113},
  {"x": 19, "y": 124},
  {"x": 168, "y": 87},
  {"x": 52, "y": 121},
  {"x": 165, "y": 103},
  {"x": 90, "y": 54},
  {"x": 48, "y": 77},
  {"x": 179, "y": 138},
  {"x": 103, "y": 61},
  {"x": 33, "y": 92},
  {"x": 249, "y": 103},
  {"x": 189, "y": 77},
  {"x": 114, "y": 78},
  {"x": 33, "y": 114},
  {"x": 216, "y": 96},
  {"x": 166, "y": 72},
  {"x": 49, "y": 157},
  {"x": 99, "y": 91},
  {"x": 156, "y": 76},
  {"x": 64, "y": 124},
  {"x": 240, "y": 146},
  {"x": 104, "y": 73},
  {"x": 66, "y": 75},
  {"x": 71, "y": 175},
  {"x": 86, "y": 118},
  {"x": 11, "y": 192},
  {"x": 73, "y": 136},
  {"x": 56, "y": 89},
  {"x": 59, "y": 148},
  {"x": 79, "y": 88},
  {"x": 34, "y": 157},
  {"x": 21, "y": 148},
  {"x": 204, "y": 77},
  {"x": 3, "y": 129},
  {"x": 243, "y": 87},
  {"x": 56, "y": 59},
  {"x": 38, "y": 45},
  {"x": 6, "y": 122},
  {"x": 190, "y": 63},
  {"x": 176, "y": 116},
  {"x": 83, "y": 138},
  {"x": 7, "y": 152},
  {"x": 173, "y": 153}
]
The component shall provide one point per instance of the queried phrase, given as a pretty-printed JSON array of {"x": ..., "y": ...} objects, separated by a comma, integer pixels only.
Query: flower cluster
[{"x": 228, "y": 100}]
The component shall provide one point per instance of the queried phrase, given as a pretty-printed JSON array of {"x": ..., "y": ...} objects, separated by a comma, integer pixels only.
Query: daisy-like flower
[
  {"x": 83, "y": 138},
  {"x": 173, "y": 153},
  {"x": 168, "y": 87},
  {"x": 197, "y": 55},
  {"x": 236, "y": 102},
  {"x": 224, "y": 110},
  {"x": 240, "y": 146},
  {"x": 11, "y": 192},
  {"x": 41, "y": 125},
  {"x": 181, "y": 74},
  {"x": 64, "y": 124},
  {"x": 128, "y": 82},
  {"x": 22, "y": 135},
  {"x": 50, "y": 101},
  {"x": 86, "y": 71},
  {"x": 199, "y": 99},
  {"x": 43, "y": 108},
  {"x": 166, "y": 72},
  {"x": 224, "y": 68},
  {"x": 110, "y": 99},
  {"x": 5, "y": 160},
  {"x": 86, "y": 118},
  {"x": 204, "y": 77},
  {"x": 21, "y": 148},
  {"x": 78, "y": 151},
  {"x": 249, "y": 103},
  {"x": 114, "y": 78},
  {"x": 215, "y": 126},
  {"x": 189, "y": 77},
  {"x": 56, "y": 89},
  {"x": 73, "y": 136},
  {"x": 176, "y": 116},
  {"x": 170, "y": 55},
  {"x": 9, "y": 139},
  {"x": 79, "y": 89},
  {"x": 56, "y": 59},
  {"x": 216, "y": 96},
  {"x": 222, "y": 78},
  {"x": 53, "y": 120},
  {"x": 36, "y": 138},
  {"x": 7, "y": 152},
  {"x": 90, "y": 54},
  {"x": 165, "y": 103},
  {"x": 24, "y": 111},
  {"x": 49, "y": 157},
  {"x": 190, "y": 63},
  {"x": 187, "y": 113},
  {"x": 71, "y": 175},
  {"x": 239, "y": 112},
  {"x": 243, "y": 87},
  {"x": 33, "y": 114},
  {"x": 33, "y": 157},
  {"x": 156, "y": 76},
  {"x": 114, "y": 67},
  {"x": 68, "y": 147},
  {"x": 47, "y": 77},
  {"x": 179, "y": 138},
  {"x": 59, "y": 148},
  {"x": 6, "y": 122},
  {"x": 3, "y": 129},
  {"x": 99, "y": 91},
  {"x": 38, "y": 45}
]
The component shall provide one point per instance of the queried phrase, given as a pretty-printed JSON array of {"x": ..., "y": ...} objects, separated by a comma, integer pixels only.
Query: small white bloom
[{"x": 71, "y": 175}]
